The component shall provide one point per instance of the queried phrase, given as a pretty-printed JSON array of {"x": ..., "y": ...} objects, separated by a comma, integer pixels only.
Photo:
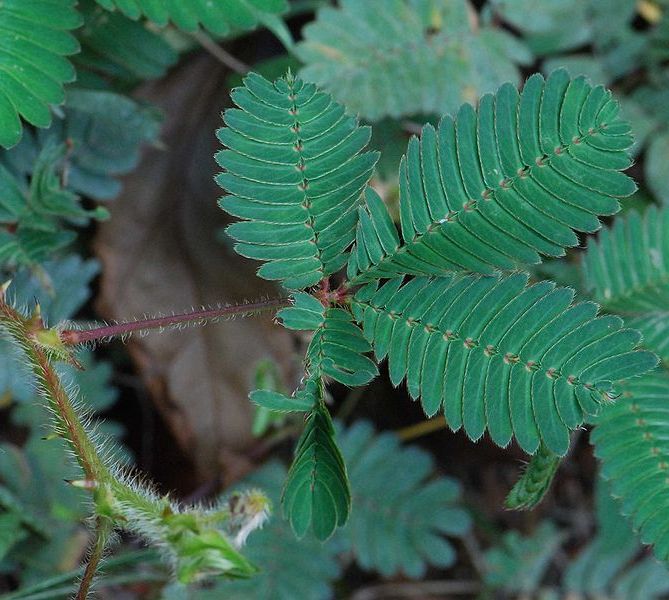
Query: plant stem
[
  {"x": 45, "y": 588},
  {"x": 103, "y": 529},
  {"x": 76, "y": 434},
  {"x": 191, "y": 535},
  {"x": 79, "y": 336},
  {"x": 406, "y": 434},
  {"x": 52, "y": 390},
  {"x": 221, "y": 54}
]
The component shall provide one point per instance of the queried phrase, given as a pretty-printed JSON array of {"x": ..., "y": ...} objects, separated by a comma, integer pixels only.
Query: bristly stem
[
  {"x": 103, "y": 529},
  {"x": 68, "y": 423},
  {"x": 79, "y": 336}
]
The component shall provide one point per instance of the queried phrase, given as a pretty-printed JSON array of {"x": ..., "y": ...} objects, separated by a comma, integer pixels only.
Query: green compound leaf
[
  {"x": 629, "y": 438},
  {"x": 316, "y": 495},
  {"x": 531, "y": 488},
  {"x": 498, "y": 187},
  {"x": 400, "y": 516},
  {"x": 221, "y": 17},
  {"x": 401, "y": 57},
  {"x": 295, "y": 172},
  {"x": 628, "y": 266},
  {"x": 627, "y": 269},
  {"x": 497, "y": 355},
  {"x": 34, "y": 41},
  {"x": 338, "y": 347}
]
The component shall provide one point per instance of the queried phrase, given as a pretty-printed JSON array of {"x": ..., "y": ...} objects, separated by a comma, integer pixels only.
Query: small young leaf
[
  {"x": 532, "y": 486},
  {"x": 316, "y": 494}
]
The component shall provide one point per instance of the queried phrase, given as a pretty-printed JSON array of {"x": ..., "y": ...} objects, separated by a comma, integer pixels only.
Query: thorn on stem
[
  {"x": 3, "y": 289},
  {"x": 84, "y": 484}
]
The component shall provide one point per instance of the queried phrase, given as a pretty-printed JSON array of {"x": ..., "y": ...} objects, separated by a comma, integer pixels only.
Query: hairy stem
[
  {"x": 68, "y": 423},
  {"x": 103, "y": 529},
  {"x": 75, "y": 433},
  {"x": 79, "y": 336}
]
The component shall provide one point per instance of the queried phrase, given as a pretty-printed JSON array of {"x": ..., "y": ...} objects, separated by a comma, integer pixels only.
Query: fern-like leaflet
[
  {"x": 294, "y": 170},
  {"x": 495, "y": 188},
  {"x": 498, "y": 355},
  {"x": 627, "y": 270},
  {"x": 338, "y": 347},
  {"x": 36, "y": 39},
  {"x": 629, "y": 438}
]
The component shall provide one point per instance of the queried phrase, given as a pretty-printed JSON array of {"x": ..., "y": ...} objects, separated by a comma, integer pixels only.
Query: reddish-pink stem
[{"x": 79, "y": 336}]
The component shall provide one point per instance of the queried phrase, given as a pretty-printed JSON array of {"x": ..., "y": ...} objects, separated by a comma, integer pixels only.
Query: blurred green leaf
[
  {"x": 112, "y": 44},
  {"x": 605, "y": 568},
  {"x": 39, "y": 207},
  {"x": 550, "y": 26},
  {"x": 518, "y": 564},
  {"x": 401, "y": 513},
  {"x": 103, "y": 132},
  {"x": 404, "y": 57},
  {"x": 578, "y": 64},
  {"x": 220, "y": 19},
  {"x": 655, "y": 166}
]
